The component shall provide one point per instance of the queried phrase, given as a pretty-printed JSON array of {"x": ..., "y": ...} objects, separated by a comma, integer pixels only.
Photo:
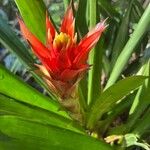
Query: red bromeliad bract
[{"x": 64, "y": 61}]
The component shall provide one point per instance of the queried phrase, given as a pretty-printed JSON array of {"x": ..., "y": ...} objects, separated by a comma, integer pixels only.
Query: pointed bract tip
[{"x": 104, "y": 22}]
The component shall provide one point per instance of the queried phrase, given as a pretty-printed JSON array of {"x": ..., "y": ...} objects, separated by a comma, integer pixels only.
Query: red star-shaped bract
[{"x": 63, "y": 60}]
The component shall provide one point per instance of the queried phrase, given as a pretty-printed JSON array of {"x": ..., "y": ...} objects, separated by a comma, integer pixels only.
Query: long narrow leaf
[
  {"x": 95, "y": 58},
  {"x": 81, "y": 22},
  {"x": 108, "y": 8},
  {"x": 11, "y": 41},
  {"x": 143, "y": 125},
  {"x": 121, "y": 37},
  {"x": 129, "y": 47},
  {"x": 141, "y": 100},
  {"x": 109, "y": 97}
]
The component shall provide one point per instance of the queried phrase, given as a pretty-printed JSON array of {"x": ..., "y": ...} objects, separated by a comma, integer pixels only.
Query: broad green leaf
[
  {"x": 19, "y": 144},
  {"x": 43, "y": 137},
  {"x": 33, "y": 14},
  {"x": 12, "y": 86},
  {"x": 10, "y": 106},
  {"x": 109, "y": 97},
  {"x": 129, "y": 47},
  {"x": 11, "y": 41}
]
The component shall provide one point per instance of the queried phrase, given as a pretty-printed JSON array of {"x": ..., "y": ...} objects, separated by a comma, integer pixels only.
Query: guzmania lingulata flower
[{"x": 63, "y": 59}]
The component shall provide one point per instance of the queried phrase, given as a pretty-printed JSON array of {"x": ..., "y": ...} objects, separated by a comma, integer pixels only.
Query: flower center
[{"x": 61, "y": 41}]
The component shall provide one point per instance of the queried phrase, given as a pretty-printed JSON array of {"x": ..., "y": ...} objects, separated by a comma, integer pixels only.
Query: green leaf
[
  {"x": 118, "y": 109},
  {"x": 92, "y": 17},
  {"x": 138, "y": 7},
  {"x": 66, "y": 3},
  {"x": 94, "y": 90},
  {"x": 95, "y": 59},
  {"x": 11, "y": 41},
  {"x": 82, "y": 29},
  {"x": 141, "y": 100},
  {"x": 129, "y": 47},
  {"x": 142, "y": 125},
  {"x": 109, "y": 97},
  {"x": 17, "y": 89},
  {"x": 33, "y": 14},
  {"x": 81, "y": 23},
  {"x": 108, "y": 8},
  {"x": 10, "y": 106},
  {"x": 122, "y": 35},
  {"x": 39, "y": 137}
]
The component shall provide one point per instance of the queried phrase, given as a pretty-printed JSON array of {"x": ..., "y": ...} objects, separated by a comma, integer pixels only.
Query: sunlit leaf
[
  {"x": 110, "y": 96},
  {"x": 38, "y": 136},
  {"x": 33, "y": 14}
]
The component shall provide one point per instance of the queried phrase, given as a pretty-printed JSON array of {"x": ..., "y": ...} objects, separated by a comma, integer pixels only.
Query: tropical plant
[{"x": 100, "y": 105}]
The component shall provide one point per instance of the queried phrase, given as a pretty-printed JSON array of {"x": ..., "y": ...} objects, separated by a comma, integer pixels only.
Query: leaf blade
[
  {"x": 34, "y": 15},
  {"x": 109, "y": 97},
  {"x": 25, "y": 93},
  {"x": 129, "y": 47},
  {"x": 47, "y": 137},
  {"x": 11, "y": 41},
  {"x": 10, "y": 106}
]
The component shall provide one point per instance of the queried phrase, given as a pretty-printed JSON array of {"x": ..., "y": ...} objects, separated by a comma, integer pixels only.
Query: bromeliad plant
[
  {"x": 85, "y": 102},
  {"x": 64, "y": 62}
]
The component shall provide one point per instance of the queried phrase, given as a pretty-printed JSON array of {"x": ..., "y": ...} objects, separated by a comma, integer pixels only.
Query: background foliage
[{"x": 115, "y": 93}]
